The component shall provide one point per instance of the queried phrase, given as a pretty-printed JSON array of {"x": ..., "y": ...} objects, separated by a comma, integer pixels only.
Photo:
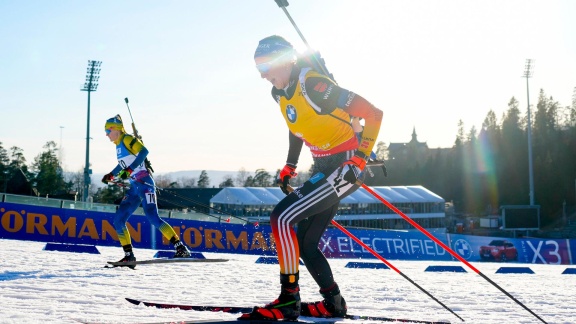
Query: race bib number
[
  {"x": 338, "y": 181},
  {"x": 151, "y": 198}
]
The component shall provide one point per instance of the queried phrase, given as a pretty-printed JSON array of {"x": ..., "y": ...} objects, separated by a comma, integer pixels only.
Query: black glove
[
  {"x": 107, "y": 178},
  {"x": 288, "y": 172},
  {"x": 354, "y": 172}
]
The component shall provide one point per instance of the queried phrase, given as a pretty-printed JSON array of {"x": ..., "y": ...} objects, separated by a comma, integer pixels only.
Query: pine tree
[
  {"x": 228, "y": 182},
  {"x": 48, "y": 175},
  {"x": 203, "y": 180},
  {"x": 4, "y": 168},
  {"x": 262, "y": 178}
]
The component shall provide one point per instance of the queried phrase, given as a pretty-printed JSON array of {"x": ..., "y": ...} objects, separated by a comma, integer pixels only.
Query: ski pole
[
  {"x": 445, "y": 247},
  {"x": 352, "y": 236},
  {"x": 118, "y": 183},
  {"x": 124, "y": 186},
  {"x": 194, "y": 201}
]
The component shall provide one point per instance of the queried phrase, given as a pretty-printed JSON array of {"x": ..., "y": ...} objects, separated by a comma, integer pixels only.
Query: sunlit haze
[{"x": 196, "y": 98}]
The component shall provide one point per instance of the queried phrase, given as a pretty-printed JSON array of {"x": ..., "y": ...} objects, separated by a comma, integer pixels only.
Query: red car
[{"x": 499, "y": 250}]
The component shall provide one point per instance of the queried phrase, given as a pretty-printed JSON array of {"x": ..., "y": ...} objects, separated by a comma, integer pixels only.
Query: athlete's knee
[
  {"x": 155, "y": 220},
  {"x": 310, "y": 251},
  {"x": 151, "y": 211}
]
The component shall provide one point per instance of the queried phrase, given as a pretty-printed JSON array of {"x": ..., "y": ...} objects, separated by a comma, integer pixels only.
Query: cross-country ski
[
  {"x": 162, "y": 261},
  {"x": 311, "y": 321},
  {"x": 234, "y": 309}
]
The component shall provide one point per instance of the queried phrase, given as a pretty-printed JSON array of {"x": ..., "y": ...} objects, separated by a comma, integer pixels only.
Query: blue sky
[{"x": 199, "y": 103}]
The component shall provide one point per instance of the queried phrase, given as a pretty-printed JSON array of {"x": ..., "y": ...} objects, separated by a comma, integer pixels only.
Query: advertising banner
[
  {"x": 49, "y": 224},
  {"x": 399, "y": 245},
  {"x": 522, "y": 250}
]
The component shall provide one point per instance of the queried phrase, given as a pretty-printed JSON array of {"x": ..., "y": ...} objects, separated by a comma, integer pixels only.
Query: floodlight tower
[
  {"x": 91, "y": 84},
  {"x": 528, "y": 72}
]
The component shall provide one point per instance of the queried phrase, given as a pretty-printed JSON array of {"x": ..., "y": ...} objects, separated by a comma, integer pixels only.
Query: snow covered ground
[{"x": 38, "y": 286}]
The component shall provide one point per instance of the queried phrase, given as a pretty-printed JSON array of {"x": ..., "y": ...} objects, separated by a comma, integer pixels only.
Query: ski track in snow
[{"x": 38, "y": 286}]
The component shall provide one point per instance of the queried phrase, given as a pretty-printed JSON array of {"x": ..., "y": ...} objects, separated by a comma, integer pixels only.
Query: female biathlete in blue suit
[{"x": 131, "y": 153}]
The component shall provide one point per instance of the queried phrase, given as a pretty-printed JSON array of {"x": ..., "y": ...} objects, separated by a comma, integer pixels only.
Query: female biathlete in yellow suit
[
  {"x": 317, "y": 113},
  {"x": 131, "y": 154}
]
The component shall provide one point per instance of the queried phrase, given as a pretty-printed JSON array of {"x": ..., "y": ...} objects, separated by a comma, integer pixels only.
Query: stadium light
[
  {"x": 91, "y": 84},
  {"x": 528, "y": 72}
]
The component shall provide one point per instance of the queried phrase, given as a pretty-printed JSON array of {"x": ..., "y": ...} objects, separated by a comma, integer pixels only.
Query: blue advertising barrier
[
  {"x": 72, "y": 226},
  {"x": 515, "y": 270},
  {"x": 170, "y": 254},
  {"x": 366, "y": 265},
  {"x": 433, "y": 268},
  {"x": 76, "y": 248},
  {"x": 271, "y": 260}
]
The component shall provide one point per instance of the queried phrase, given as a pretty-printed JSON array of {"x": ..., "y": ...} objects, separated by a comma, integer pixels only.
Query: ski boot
[
  {"x": 181, "y": 249},
  {"x": 128, "y": 256},
  {"x": 333, "y": 304},
  {"x": 285, "y": 308}
]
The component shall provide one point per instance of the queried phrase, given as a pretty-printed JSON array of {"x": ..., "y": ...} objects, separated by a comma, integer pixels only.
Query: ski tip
[
  {"x": 112, "y": 266},
  {"x": 133, "y": 301}
]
